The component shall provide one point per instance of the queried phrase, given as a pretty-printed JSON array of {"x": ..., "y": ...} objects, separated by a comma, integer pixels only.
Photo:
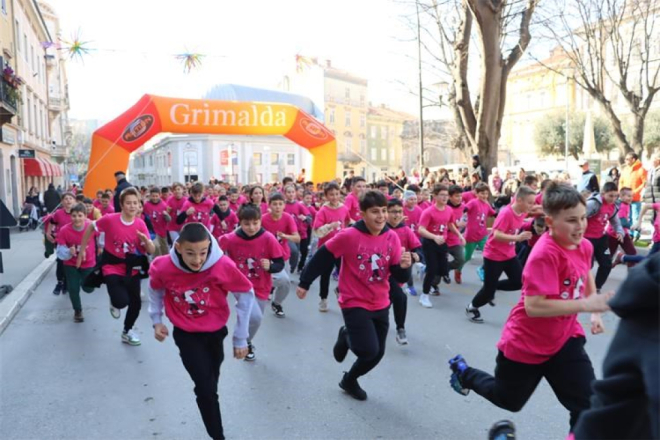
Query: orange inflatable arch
[{"x": 113, "y": 143}]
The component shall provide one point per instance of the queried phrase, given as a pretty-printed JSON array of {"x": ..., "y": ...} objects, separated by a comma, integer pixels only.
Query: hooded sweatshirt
[
  {"x": 197, "y": 301},
  {"x": 626, "y": 402}
]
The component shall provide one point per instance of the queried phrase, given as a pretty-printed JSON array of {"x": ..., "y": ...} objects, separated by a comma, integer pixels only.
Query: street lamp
[{"x": 187, "y": 158}]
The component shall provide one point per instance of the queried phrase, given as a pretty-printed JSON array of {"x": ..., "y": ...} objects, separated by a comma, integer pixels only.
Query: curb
[{"x": 13, "y": 302}]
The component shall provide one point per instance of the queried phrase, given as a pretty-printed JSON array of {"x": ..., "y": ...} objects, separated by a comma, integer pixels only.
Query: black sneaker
[
  {"x": 473, "y": 314},
  {"x": 502, "y": 430},
  {"x": 340, "y": 349},
  {"x": 352, "y": 388},
  {"x": 435, "y": 290},
  {"x": 491, "y": 303},
  {"x": 58, "y": 288},
  {"x": 78, "y": 316},
  {"x": 446, "y": 279},
  {"x": 250, "y": 356},
  {"x": 277, "y": 309}
]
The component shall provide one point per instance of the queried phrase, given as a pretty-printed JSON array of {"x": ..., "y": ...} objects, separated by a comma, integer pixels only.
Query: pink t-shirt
[
  {"x": 69, "y": 237},
  {"x": 477, "y": 215},
  {"x": 436, "y": 221},
  {"x": 175, "y": 206},
  {"x": 468, "y": 196},
  {"x": 596, "y": 224},
  {"x": 560, "y": 275},
  {"x": 624, "y": 212},
  {"x": 120, "y": 239},
  {"x": 452, "y": 238},
  {"x": 656, "y": 224},
  {"x": 197, "y": 302},
  {"x": 296, "y": 209},
  {"x": 59, "y": 219},
  {"x": 155, "y": 213},
  {"x": 407, "y": 237},
  {"x": 107, "y": 210},
  {"x": 353, "y": 205},
  {"x": 237, "y": 205},
  {"x": 328, "y": 215},
  {"x": 203, "y": 211},
  {"x": 97, "y": 203},
  {"x": 414, "y": 216},
  {"x": 247, "y": 254},
  {"x": 424, "y": 205},
  {"x": 285, "y": 224},
  {"x": 231, "y": 221},
  {"x": 507, "y": 222},
  {"x": 365, "y": 269}
]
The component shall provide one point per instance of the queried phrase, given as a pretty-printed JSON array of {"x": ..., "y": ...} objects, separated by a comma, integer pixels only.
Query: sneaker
[
  {"x": 340, "y": 350},
  {"x": 114, "y": 311},
  {"x": 78, "y": 316},
  {"x": 435, "y": 291},
  {"x": 425, "y": 301},
  {"x": 458, "y": 365},
  {"x": 618, "y": 259},
  {"x": 446, "y": 279},
  {"x": 473, "y": 314},
  {"x": 421, "y": 270},
  {"x": 130, "y": 337},
  {"x": 481, "y": 273},
  {"x": 401, "y": 338},
  {"x": 412, "y": 291},
  {"x": 335, "y": 274},
  {"x": 277, "y": 309},
  {"x": 352, "y": 388},
  {"x": 458, "y": 277},
  {"x": 502, "y": 430},
  {"x": 323, "y": 305},
  {"x": 58, "y": 288},
  {"x": 250, "y": 356}
]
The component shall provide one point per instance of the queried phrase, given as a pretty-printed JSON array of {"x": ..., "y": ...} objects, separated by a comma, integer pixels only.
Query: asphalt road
[{"x": 62, "y": 380}]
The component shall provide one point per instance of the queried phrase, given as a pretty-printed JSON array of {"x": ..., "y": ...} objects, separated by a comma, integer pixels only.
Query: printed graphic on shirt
[
  {"x": 373, "y": 264},
  {"x": 193, "y": 302},
  {"x": 249, "y": 265},
  {"x": 573, "y": 287}
]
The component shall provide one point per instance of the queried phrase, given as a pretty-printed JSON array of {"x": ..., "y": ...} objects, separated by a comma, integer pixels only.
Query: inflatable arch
[{"x": 113, "y": 143}]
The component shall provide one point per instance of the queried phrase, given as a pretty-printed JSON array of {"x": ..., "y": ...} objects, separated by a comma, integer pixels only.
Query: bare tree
[{"x": 611, "y": 47}]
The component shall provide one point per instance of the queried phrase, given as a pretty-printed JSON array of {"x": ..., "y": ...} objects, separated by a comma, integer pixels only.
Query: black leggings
[
  {"x": 604, "y": 258},
  {"x": 492, "y": 271},
  {"x": 59, "y": 272},
  {"x": 367, "y": 333},
  {"x": 304, "y": 251},
  {"x": 399, "y": 304},
  {"x": 125, "y": 292},
  {"x": 202, "y": 354},
  {"x": 325, "y": 279},
  {"x": 569, "y": 373},
  {"x": 436, "y": 262}
]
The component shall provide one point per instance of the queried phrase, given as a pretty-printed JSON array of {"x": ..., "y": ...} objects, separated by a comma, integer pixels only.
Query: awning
[
  {"x": 36, "y": 167},
  {"x": 56, "y": 169}
]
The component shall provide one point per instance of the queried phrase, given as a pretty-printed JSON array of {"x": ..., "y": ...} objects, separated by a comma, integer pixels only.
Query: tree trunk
[{"x": 638, "y": 134}]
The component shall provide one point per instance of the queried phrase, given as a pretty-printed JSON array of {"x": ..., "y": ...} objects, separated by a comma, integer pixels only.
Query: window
[
  {"x": 260, "y": 178},
  {"x": 392, "y": 154},
  {"x": 348, "y": 145},
  {"x": 256, "y": 158},
  {"x": 29, "y": 118},
  {"x": 25, "y": 51},
  {"x": 383, "y": 154},
  {"x": 331, "y": 118},
  {"x": 383, "y": 132},
  {"x": 347, "y": 118},
  {"x": 373, "y": 131},
  {"x": 4, "y": 7},
  {"x": 274, "y": 159},
  {"x": 363, "y": 121},
  {"x": 363, "y": 147},
  {"x": 290, "y": 159},
  {"x": 189, "y": 158},
  {"x": 151, "y": 160},
  {"x": 32, "y": 58},
  {"x": 274, "y": 177},
  {"x": 18, "y": 36},
  {"x": 373, "y": 154},
  {"x": 347, "y": 93}
]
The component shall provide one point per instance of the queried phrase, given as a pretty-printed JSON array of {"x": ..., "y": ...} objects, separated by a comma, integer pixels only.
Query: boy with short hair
[
  {"x": 226, "y": 221},
  {"x": 156, "y": 211},
  {"x": 106, "y": 205}
]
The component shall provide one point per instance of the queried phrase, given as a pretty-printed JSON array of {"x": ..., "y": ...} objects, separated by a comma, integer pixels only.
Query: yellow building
[{"x": 384, "y": 142}]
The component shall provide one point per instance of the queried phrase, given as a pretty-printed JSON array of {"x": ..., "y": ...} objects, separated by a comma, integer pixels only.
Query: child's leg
[
  {"x": 304, "y": 251},
  {"x": 512, "y": 386},
  {"x": 443, "y": 264},
  {"x": 481, "y": 243},
  {"x": 469, "y": 250},
  {"x": 202, "y": 354},
  {"x": 162, "y": 248},
  {"x": 399, "y": 304},
  {"x": 256, "y": 315},
  {"x": 570, "y": 375},
  {"x": 325, "y": 282},
  {"x": 282, "y": 285},
  {"x": 459, "y": 257},
  {"x": 74, "y": 278},
  {"x": 492, "y": 271},
  {"x": 432, "y": 263},
  {"x": 604, "y": 259},
  {"x": 295, "y": 255},
  {"x": 628, "y": 246},
  {"x": 513, "y": 271},
  {"x": 132, "y": 286},
  {"x": 118, "y": 293},
  {"x": 613, "y": 244},
  {"x": 367, "y": 332}
]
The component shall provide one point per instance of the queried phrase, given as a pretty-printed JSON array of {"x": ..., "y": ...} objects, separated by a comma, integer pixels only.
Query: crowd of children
[{"x": 198, "y": 243}]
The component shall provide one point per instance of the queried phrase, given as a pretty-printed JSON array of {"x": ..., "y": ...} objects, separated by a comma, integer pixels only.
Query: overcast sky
[{"x": 247, "y": 42}]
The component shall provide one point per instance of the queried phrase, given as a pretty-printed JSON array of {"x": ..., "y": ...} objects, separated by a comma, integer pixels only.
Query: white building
[{"x": 237, "y": 159}]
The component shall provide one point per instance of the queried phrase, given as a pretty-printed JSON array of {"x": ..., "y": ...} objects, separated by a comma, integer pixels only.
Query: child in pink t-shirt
[
  {"x": 57, "y": 220},
  {"x": 259, "y": 257},
  {"x": 625, "y": 198},
  {"x": 542, "y": 337},
  {"x": 197, "y": 209},
  {"x": 174, "y": 204},
  {"x": 156, "y": 210},
  {"x": 306, "y": 243},
  {"x": 455, "y": 248},
  {"x": 370, "y": 252},
  {"x": 352, "y": 201},
  {"x": 500, "y": 252},
  {"x": 476, "y": 229},
  {"x": 192, "y": 284},
  {"x": 106, "y": 205},
  {"x": 301, "y": 216},
  {"x": 226, "y": 221}
]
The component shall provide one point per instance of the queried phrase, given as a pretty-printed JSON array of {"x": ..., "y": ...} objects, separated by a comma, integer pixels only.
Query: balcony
[
  {"x": 57, "y": 104},
  {"x": 8, "y": 102},
  {"x": 59, "y": 151}
]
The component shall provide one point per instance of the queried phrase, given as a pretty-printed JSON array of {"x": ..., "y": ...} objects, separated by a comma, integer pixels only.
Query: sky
[{"x": 250, "y": 43}]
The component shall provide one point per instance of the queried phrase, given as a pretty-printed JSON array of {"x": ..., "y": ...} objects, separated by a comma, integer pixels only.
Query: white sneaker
[
  {"x": 425, "y": 301},
  {"x": 130, "y": 338},
  {"x": 114, "y": 311},
  {"x": 323, "y": 305}
]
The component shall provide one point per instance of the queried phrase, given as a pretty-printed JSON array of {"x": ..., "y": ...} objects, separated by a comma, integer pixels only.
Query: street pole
[
  {"x": 421, "y": 99},
  {"x": 566, "y": 130}
]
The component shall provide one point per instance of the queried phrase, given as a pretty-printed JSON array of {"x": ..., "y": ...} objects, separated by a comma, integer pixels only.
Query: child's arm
[
  {"x": 295, "y": 237},
  {"x": 501, "y": 236},
  {"x": 616, "y": 225},
  {"x": 539, "y": 306},
  {"x": 321, "y": 260},
  {"x": 244, "y": 302},
  {"x": 455, "y": 230},
  {"x": 156, "y": 305},
  {"x": 83, "y": 244}
]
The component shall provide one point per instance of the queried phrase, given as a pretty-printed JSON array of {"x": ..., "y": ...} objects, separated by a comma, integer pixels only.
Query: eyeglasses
[{"x": 397, "y": 211}]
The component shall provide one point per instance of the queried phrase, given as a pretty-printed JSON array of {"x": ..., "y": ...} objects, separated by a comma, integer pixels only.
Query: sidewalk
[{"x": 26, "y": 253}]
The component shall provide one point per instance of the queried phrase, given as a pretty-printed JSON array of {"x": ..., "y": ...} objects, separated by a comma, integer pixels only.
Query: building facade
[
  {"x": 438, "y": 145},
  {"x": 384, "y": 142}
]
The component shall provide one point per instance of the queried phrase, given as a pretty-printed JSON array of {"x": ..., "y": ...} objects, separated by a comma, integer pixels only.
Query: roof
[
  {"x": 332, "y": 72},
  {"x": 235, "y": 92},
  {"x": 389, "y": 113}
]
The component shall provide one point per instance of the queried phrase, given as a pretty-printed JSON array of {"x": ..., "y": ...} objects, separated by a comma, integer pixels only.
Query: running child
[
  {"x": 476, "y": 230},
  {"x": 156, "y": 211},
  {"x": 257, "y": 198},
  {"x": 174, "y": 209},
  {"x": 542, "y": 337},
  {"x": 301, "y": 216},
  {"x": 500, "y": 252},
  {"x": 97, "y": 200},
  {"x": 454, "y": 246},
  {"x": 93, "y": 213},
  {"x": 106, "y": 205},
  {"x": 411, "y": 211},
  {"x": 625, "y": 198},
  {"x": 306, "y": 243},
  {"x": 257, "y": 255},
  {"x": 197, "y": 209},
  {"x": 226, "y": 221},
  {"x": 69, "y": 240},
  {"x": 192, "y": 284},
  {"x": 370, "y": 252},
  {"x": 352, "y": 200},
  {"x": 58, "y": 219},
  {"x": 623, "y": 258}
]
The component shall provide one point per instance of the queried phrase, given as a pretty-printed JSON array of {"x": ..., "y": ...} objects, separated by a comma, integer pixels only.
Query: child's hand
[
  {"x": 302, "y": 217},
  {"x": 81, "y": 257},
  {"x": 302, "y": 293},
  {"x": 143, "y": 238},
  {"x": 240, "y": 353},
  {"x": 265, "y": 263},
  {"x": 160, "y": 332},
  {"x": 406, "y": 259},
  {"x": 619, "y": 238},
  {"x": 73, "y": 251},
  {"x": 190, "y": 211},
  {"x": 524, "y": 236},
  {"x": 460, "y": 224},
  {"x": 50, "y": 238},
  {"x": 462, "y": 240},
  {"x": 597, "y": 326},
  {"x": 167, "y": 217},
  {"x": 223, "y": 224},
  {"x": 597, "y": 303},
  {"x": 439, "y": 240}
]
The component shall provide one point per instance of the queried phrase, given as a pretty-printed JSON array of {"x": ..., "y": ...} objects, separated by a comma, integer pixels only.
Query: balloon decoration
[
  {"x": 303, "y": 62},
  {"x": 76, "y": 48},
  {"x": 190, "y": 60}
]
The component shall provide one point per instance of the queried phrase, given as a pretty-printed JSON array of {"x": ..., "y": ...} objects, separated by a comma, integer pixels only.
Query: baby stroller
[{"x": 29, "y": 218}]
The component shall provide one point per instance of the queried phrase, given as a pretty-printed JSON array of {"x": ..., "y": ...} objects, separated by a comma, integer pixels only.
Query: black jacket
[
  {"x": 121, "y": 185},
  {"x": 51, "y": 199},
  {"x": 626, "y": 402}
]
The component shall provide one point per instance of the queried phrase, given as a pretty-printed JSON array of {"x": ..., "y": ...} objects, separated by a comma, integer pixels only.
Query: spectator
[
  {"x": 495, "y": 182},
  {"x": 402, "y": 180},
  {"x": 122, "y": 184},
  {"x": 51, "y": 198},
  {"x": 425, "y": 177},
  {"x": 33, "y": 199},
  {"x": 652, "y": 190},
  {"x": 477, "y": 168},
  {"x": 613, "y": 176},
  {"x": 348, "y": 179},
  {"x": 633, "y": 176},
  {"x": 588, "y": 180},
  {"x": 301, "y": 177},
  {"x": 415, "y": 178}
]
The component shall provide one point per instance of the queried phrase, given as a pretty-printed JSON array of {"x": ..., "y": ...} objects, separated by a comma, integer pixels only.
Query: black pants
[
  {"x": 202, "y": 354},
  {"x": 399, "y": 303},
  {"x": 59, "y": 272},
  {"x": 125, "y": 292},
  {"x": 304, "y": 251},
  {"x": 569, "y": 373},
  {"x": 492, "y": 271},
  {"x": 325, "y": 279},
  {"x": 367, "y": 333},
  {"x": 436, "y": 262},
  {"x": 604, "y": 258}
]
